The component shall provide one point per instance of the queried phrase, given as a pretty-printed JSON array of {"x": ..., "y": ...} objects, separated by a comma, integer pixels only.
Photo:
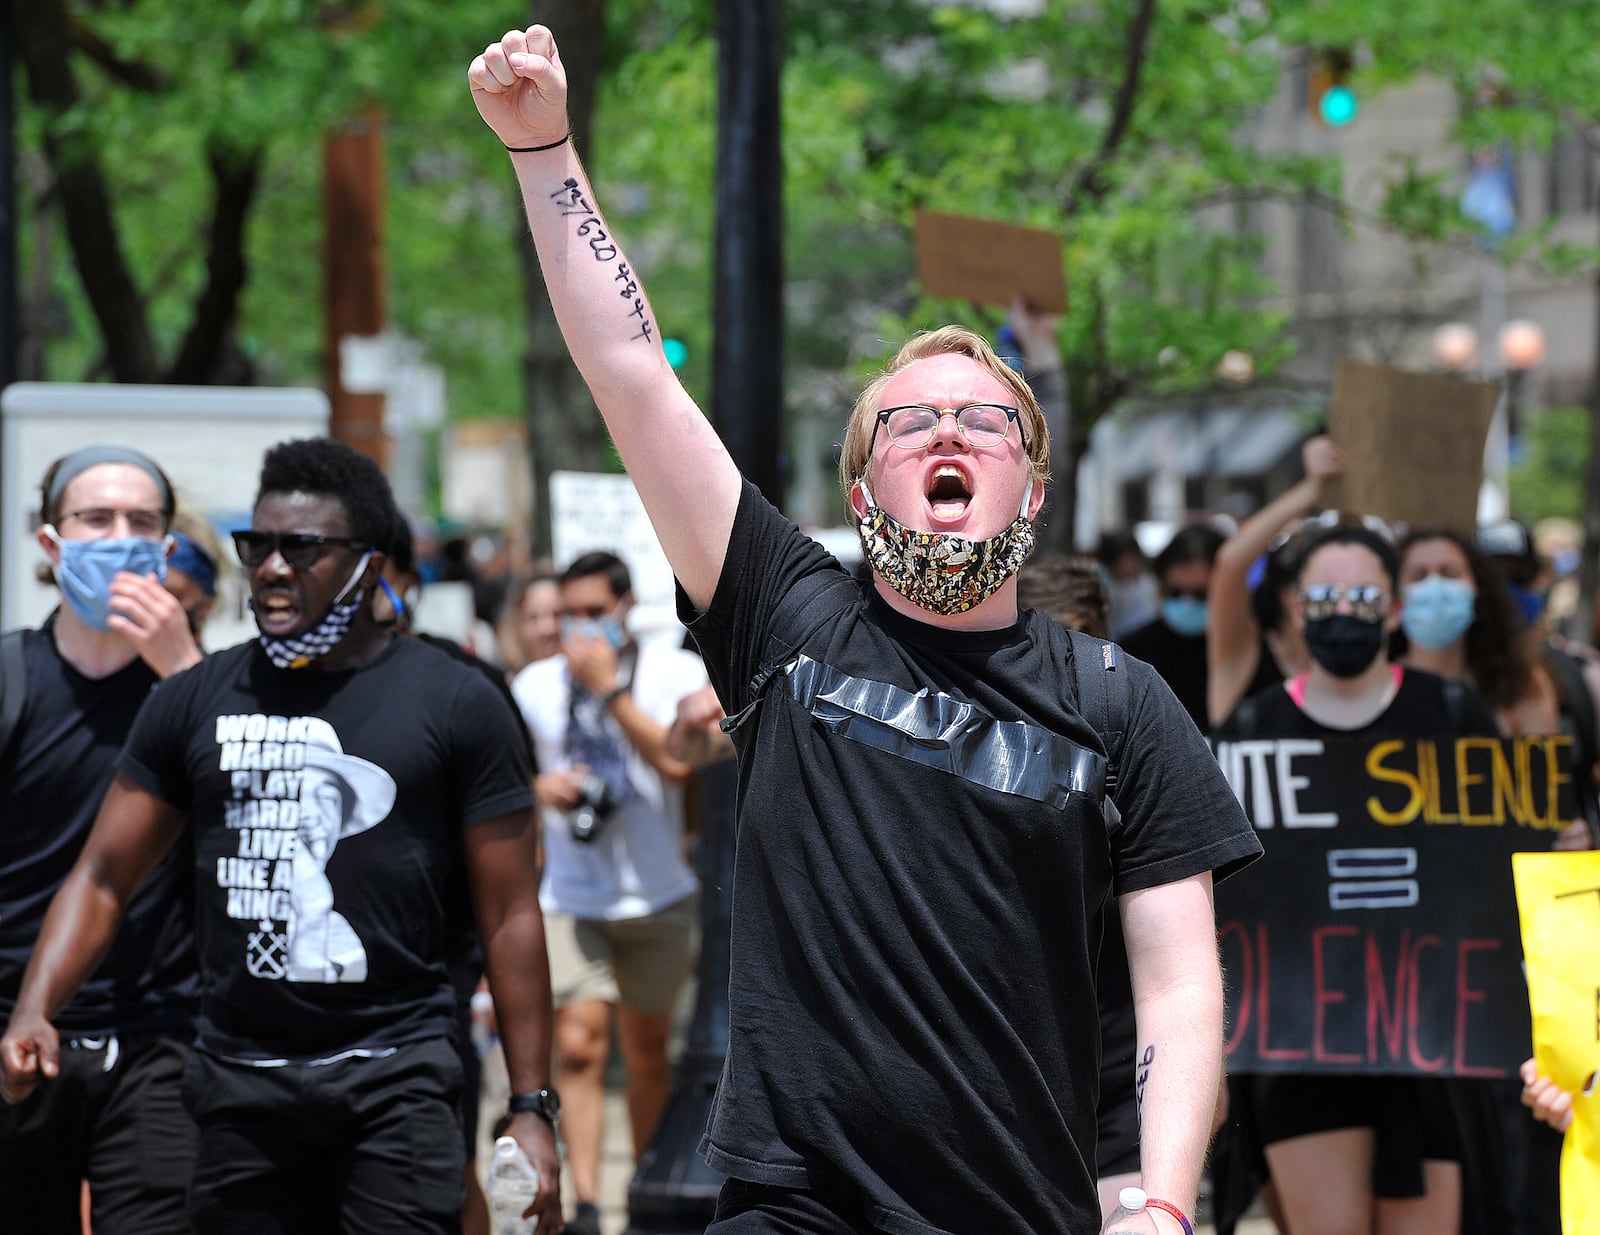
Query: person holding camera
[{"x": 620, "y": 901}]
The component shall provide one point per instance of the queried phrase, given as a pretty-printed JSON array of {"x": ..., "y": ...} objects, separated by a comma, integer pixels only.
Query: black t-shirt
[
  {"x": 1179, "y": 659},
  {"x": 57, "y": 768},
  {"x": 325, "y": 814},
  {"x": 921, "y": 873},
  {"x": 1418, "y": 709}
]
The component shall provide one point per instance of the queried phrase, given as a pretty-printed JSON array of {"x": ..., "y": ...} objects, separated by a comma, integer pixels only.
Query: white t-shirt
[{"x": 634, "y": 866}]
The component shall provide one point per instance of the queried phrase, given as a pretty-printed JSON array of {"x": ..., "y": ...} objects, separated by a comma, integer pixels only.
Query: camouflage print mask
[{"x": 938, "y": 571}]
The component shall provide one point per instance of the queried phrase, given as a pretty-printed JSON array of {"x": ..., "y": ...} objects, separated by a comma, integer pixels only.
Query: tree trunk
[
  {"x": 206, "y": 351},
  {"x": 130, "y": 350},
  {"x": 565, "y": 432}
]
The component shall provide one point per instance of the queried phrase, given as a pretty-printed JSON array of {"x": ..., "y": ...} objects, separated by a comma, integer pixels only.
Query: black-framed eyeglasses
[
  {"x": 911, "y": 427},
  {"x": 301, "y": 550},
  {"x": 1368, "y": 601}
]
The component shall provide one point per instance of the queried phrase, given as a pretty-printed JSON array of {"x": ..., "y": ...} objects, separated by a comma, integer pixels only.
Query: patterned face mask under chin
[
  {"x": 298, "y": 651},
  {"x": 938, "y": 571}
]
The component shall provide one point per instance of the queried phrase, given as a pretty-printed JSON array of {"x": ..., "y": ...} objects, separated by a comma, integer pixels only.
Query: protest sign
[
  {"x": 1378, "y": 932},
  {"x": 966, "y": 258}
]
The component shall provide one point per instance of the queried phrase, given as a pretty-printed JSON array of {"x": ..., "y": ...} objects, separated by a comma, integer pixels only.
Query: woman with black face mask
[{"x": 1388, "y": 1153}]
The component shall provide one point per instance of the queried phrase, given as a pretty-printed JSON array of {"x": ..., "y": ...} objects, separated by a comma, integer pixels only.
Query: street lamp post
[{"x": 1521, "y": 349}]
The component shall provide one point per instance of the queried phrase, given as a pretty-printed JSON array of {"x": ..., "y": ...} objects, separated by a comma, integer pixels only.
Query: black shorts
[
  {"x": 114, "y": 1116},
  {"x": 362, "y": 1144},
  {"x": 1413, "y": 1120}
]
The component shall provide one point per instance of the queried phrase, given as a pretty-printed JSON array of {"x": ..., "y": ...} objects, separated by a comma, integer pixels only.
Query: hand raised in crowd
[
  {"x": 1575, "y": 836},
  {"x": 1549, "y": 1102},
  {"x": 1036, "y": 335},
  {"x": 154, "y": 621},
  {"x": 1323, "y": 460},
  {"x": 29, "y": 1052},
  {"x": 520, "y": 88}
]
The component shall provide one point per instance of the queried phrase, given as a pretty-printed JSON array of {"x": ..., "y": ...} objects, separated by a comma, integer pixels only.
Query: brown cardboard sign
[
  {"x": 1414, "y": 444},
  {"x": 965, "y": 258}
]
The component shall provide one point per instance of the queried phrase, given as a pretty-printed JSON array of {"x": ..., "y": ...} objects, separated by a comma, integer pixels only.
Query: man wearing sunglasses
[
  {"x": 330, "y": 778},
  {"x": 111, "y": 1113},
  {"x": 922, "y": 860}
]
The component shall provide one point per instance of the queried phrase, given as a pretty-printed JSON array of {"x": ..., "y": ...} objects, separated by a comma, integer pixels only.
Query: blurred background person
[
  {"x": 621, "y": 903},
  {"x": 530, "y": 621},
  {"x": 1174, "y": 642},
  {"x": 1135, "y": 598},
  {"x": 193, "y": 568},
  {"x": 1250, "y": 642}
]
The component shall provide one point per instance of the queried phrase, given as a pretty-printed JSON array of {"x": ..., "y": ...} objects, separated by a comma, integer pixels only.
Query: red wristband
[{"x": 1153, "y": 1202}]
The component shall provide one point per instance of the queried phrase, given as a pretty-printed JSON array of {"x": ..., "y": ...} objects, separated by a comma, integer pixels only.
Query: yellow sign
[{"x": 1558, "y": 895}]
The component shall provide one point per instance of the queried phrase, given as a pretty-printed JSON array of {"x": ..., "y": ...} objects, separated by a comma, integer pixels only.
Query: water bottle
[
  {"x": 513, "y": 1183},
  {"x": 1130, "y": 1201}
]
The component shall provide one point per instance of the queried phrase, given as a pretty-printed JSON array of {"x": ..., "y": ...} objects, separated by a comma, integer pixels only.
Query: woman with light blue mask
[{"x": 1459, "y": 621}]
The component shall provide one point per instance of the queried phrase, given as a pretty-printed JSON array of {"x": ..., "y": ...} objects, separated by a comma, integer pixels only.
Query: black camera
[{"x": 596, "y": 801}]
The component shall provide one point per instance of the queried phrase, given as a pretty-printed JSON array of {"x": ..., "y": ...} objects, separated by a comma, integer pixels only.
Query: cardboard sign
[
  {"x": 1414, "y": 443},
  {"x": 964, "y": 258},
  {"x": 1378, "y": 932}
]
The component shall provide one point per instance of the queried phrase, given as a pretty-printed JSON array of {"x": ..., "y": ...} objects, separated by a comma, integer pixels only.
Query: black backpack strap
[
  {"x": 1103, "y": 698},
  {"x": 13, "y": 685},
  {"x": 808, "y": 612}
]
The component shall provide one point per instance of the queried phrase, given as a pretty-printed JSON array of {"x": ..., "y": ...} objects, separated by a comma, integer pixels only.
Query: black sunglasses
[{"x": 301, "y": 550}]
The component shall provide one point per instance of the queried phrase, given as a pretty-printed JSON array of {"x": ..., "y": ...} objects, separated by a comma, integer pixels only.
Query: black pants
[
  {"x": 113, "y": 1116},
  {"x": 361, "y": 1146}
]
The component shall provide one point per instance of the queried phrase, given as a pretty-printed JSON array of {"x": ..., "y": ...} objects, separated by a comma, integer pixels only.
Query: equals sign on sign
[{"x": 1372, "y": 878}]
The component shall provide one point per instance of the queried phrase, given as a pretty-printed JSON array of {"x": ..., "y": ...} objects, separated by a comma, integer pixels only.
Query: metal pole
[
  {"x": 9, "y": 327},
  {"x": 673, "y": 1190}
]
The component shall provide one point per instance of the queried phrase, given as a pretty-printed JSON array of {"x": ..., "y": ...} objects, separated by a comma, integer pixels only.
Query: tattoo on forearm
[
  {"x": 572, "y": 203},
  {"x": 1145, "y": 1064}
]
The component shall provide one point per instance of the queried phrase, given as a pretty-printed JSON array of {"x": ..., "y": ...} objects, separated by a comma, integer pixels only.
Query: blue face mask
[
  {"x": 1185, "y": 614},
  {"x": 1437, "y": 611},
  {"x": 87, "y": 568},
  {"x": 608, "y": 628}
]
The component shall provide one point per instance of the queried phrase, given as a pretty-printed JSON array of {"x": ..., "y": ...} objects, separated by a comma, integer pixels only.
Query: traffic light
[
  {"x": 1329, "y": 97},
  {"x": 677, "y": 351}
]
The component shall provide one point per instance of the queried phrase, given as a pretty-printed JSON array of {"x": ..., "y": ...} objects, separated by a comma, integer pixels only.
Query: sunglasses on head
[{"x": 301, "y": 550}]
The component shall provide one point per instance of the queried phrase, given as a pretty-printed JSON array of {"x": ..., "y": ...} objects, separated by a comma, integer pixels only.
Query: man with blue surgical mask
[
  {"x": 110, "y": 1112},
  {"x": 620, "y": 903},
  {"x": 1174, "y": 643}
]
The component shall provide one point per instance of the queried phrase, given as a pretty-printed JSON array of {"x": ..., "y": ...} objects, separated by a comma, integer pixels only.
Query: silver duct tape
[{"x": 942, "y": 732}]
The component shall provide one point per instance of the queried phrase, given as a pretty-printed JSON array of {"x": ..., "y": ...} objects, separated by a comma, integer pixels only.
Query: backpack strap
[
  {"x": 808, "y": 612},
  {"x": 1104, "y": 699},
  {"x": 13, "y": 685}
]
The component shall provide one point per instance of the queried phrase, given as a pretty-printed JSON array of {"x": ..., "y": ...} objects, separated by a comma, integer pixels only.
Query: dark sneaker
[{"x": 586, "y": 1221}]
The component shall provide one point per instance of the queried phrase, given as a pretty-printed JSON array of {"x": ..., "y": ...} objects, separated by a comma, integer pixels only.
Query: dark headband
[
  {"x": 80, "y": 461},
  {"x": 194, "y": 561}
]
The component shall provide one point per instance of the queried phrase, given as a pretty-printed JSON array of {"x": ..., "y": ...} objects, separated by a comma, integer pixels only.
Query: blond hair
[{"x": 855, "y": 459}]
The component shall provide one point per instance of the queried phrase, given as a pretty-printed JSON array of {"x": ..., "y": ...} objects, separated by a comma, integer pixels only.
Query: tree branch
[
  {"x": 85, "y": 201},
  {"x": 1091, "y": 185},
  {"x": 134, "y": 74},
  {"x": 236, "y": 176}
]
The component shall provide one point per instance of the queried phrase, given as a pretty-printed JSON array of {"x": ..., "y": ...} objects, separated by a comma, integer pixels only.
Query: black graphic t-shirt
[
  {"x": 325, "y": 815},
  {"x": 55, "y": 770},
  {"x": 921, "y": 875}
]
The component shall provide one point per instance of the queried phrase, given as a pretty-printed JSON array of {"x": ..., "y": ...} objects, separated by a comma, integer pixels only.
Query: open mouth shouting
[
  {"x": 276, "y": 612},
  {"x": 949, "y": 493}
]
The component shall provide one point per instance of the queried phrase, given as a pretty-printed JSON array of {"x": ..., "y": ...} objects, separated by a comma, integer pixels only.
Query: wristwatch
[
  {"x": 545, "y": 1103},
  {"x": 612, "y": 695}
]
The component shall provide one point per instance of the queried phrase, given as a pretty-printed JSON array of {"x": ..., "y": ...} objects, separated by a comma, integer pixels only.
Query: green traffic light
[
  {"x": 677, "y": 351},
  {"x": 1338, "y": 106}
]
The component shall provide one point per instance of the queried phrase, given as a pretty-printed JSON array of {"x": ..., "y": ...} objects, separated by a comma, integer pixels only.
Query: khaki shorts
[{"x": 638, "y": 962}]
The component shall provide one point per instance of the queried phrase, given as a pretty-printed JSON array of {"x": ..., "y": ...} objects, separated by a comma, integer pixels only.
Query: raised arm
[
  {"x": 687, "y": 480},
  {"x": 132, "y": 833},
  {"x": 1232, "y": 638}
]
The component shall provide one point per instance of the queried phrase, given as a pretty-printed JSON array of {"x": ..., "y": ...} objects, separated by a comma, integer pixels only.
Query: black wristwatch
[{"x": 545, "y": 1103}]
